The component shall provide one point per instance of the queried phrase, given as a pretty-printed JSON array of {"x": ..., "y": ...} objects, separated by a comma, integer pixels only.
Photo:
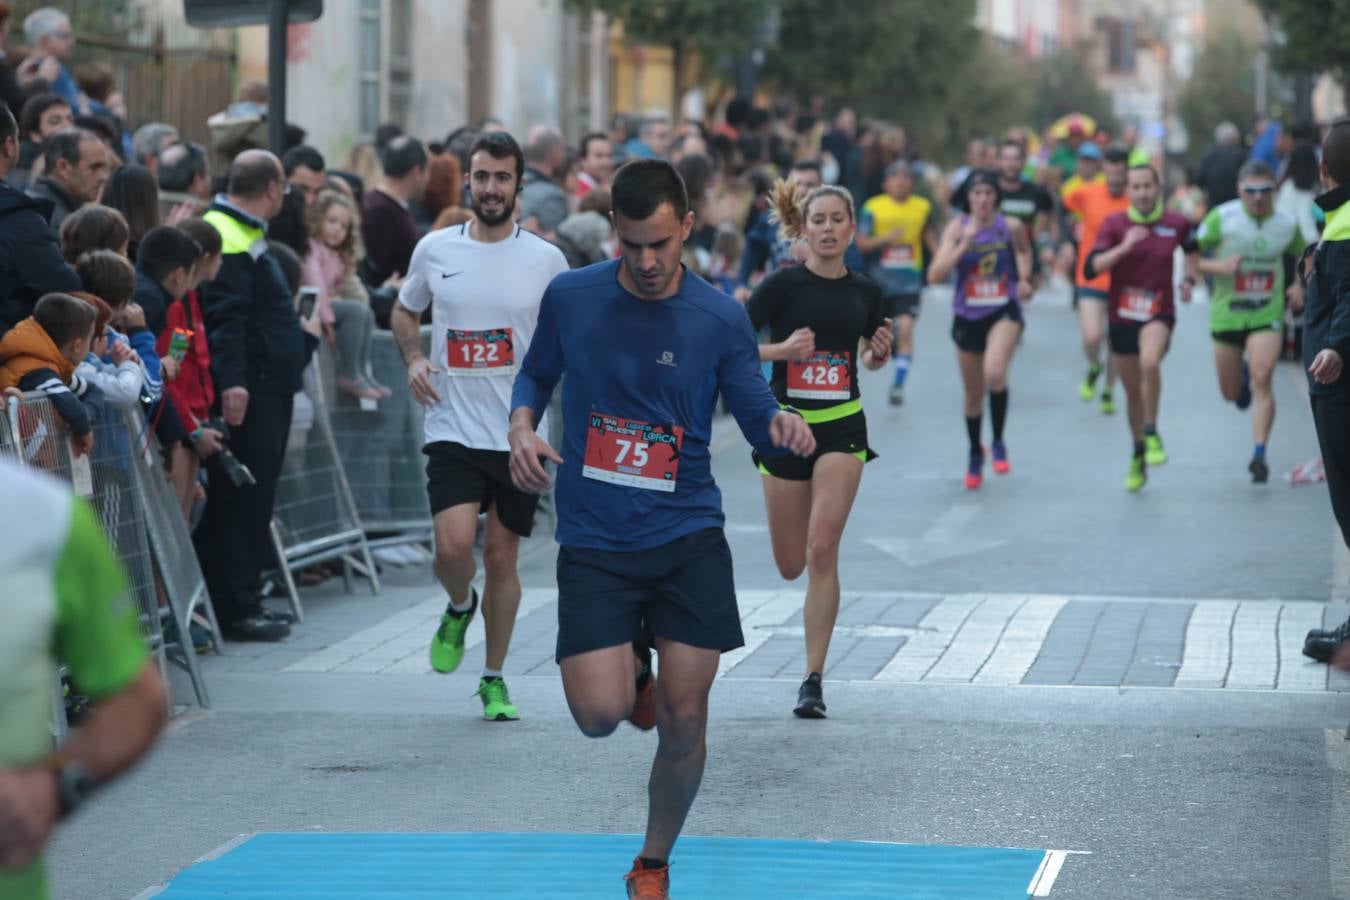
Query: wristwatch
[{"x": 74, "y": 784}]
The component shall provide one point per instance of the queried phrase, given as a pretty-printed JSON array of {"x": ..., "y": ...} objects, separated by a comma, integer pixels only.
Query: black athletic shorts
[
  {"x": 1238, "y": 338},
  {"x": 1123, "y": 337},
  {"x": 846, "y": 435},
  {"x": 897, "y": 305},
  {"x": 457, "y": 474},
  {"x": 682, "y": 591},
  {"x": 972, "y": 335}
]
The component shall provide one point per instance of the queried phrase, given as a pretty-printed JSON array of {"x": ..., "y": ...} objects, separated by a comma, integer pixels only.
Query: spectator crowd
[{"x": 140, "y": 269}]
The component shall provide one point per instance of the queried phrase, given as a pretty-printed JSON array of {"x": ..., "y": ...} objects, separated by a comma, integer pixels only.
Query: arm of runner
[
  {"x": 528, "y": 450},
  {"x": 798, "y": 346},
  {"x": 874, "y": 351},
  {"x": 790, "y": 430},
  {"x": 1022, "y": 255},
  {"x": 1111, "y": 249},
  {"x": 405, "y": 321},
  {"x": 955, "y": 241},
  {"x": 740, "y": 379}
]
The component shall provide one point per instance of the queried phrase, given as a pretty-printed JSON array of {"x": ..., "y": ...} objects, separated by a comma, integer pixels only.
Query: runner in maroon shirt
[{"x": 1137, "y": 248}]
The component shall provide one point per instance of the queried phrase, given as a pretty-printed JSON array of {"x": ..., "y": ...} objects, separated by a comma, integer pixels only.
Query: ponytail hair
[{"x": 789, "y": 204}]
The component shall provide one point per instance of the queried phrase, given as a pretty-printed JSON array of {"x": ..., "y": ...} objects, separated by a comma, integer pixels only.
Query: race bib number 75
[{"x": 632, "y": 453}]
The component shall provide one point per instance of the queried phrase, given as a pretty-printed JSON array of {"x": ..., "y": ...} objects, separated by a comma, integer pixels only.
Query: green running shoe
[
  {"x": 1108, "y": 404},
  {"x": 1154, "y": 454},
  {"x": 447, "y": 647},
  {"x": 1088, "y": 388},
  {"x": 1138, "y": 476},
  {"x": 496, "y": 700}
]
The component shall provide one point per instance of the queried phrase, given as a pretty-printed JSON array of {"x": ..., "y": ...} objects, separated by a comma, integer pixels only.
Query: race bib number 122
[{"x": 480, "y": 353}]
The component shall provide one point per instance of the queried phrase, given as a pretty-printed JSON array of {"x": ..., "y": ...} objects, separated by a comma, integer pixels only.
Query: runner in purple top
[
  {"x": 992, "y": 258},
  {"x": 1137, "y": 247}
]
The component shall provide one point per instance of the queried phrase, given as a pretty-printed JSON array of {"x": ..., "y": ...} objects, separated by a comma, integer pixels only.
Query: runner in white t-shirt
[{"x": 483, "y": 281}]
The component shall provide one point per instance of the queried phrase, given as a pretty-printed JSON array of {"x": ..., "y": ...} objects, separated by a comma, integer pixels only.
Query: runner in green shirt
[
  {"x": 62, "y": 597},
  {"x": 1251, "y": 247}
]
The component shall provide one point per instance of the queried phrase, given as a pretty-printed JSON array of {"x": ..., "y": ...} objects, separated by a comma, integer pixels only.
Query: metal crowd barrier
[
  {"x": 314, "y": 518},
  {"x": 126, "y": 486},
  {"x": 381, "y": 448}
]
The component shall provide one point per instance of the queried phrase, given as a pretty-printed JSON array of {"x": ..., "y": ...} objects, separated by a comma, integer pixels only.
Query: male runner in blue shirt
[{"x": 646, "y": 350}]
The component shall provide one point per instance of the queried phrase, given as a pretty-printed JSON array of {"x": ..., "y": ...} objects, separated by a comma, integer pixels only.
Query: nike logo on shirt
[{"x": 451, "y": 274}]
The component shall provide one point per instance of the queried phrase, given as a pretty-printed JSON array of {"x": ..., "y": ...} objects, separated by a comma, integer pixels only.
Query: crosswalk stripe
[
  {"x": 766, "y": 608},
  {"x": 1021, "y": 642},
  {"x": 1297, "y": 672},
  {"x": 922, "y": 651},
  {"x": 1255, "y": 654},
  {"x": 1205, "y": 660},
  {"x": 974, "y": 643}
]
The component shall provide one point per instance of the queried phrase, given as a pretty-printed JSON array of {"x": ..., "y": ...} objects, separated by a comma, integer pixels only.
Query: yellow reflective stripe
[
  {"x": 1338, "y": 224},
  {"x": 831, "y": 413},
  {"x": 235, "y": 236}
]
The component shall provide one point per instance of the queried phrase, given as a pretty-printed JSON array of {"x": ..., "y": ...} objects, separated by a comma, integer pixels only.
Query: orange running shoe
[
  {"x": 975, "y": 471},
  {"x": 1001, "y": 464},
  {"x": 643, "y": 715},
  {"x": 651, "y": 884}
]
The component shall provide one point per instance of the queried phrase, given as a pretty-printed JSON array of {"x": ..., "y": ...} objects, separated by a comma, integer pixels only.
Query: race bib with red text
[
  {"x": 480, "y": 353},
  {"x": 822, "y": 376}
]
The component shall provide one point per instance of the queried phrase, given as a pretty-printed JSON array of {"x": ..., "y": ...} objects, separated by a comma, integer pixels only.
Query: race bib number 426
[
  {"x": 822, "y": 376},
  {"x": 632, "y": 453},
  {"x": 480, "y": 353}
]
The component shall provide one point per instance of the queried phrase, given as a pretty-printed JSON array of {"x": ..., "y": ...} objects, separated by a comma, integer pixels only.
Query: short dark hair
[
  {"x": 9, "y": 128},
  {"x": 386, "y": 133},
  {"x": 304, "y": 155},
  {"x": 180, "y": 164},
  {"x": 251, "y": 176},
  {"x": 93, "y": 227},
  {"x": 204, "y": 233},
  {"x": 498, "y": 145},
  {"x": 643, "y": 185},
  {"x": 1336, "y": 151},
  {"x": 1148, "y": 167},
  {"x": 65, "y": 144},
  {"x": 585, "y": 145},
  {"x": 1116, "y": 154},
  {"x": 1012, "y": 142},
  {"x": 30, "y": 116},
  {"x": 164, "y": 249},
  {"x": 107, "y": 275},
  {"x": 401, "y": 155},
  {"x": 96, "y": 79},
  {"x": 64, "y": 317},
  {"x": 806, "y": 165}
]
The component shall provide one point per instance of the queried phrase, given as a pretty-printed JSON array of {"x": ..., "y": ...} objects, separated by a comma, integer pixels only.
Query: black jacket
[
  {"x": 62, "y": 203},
  {"x": 153, "y": 299},
  {"x": 30, "y": 259},
  {"x": 251, "y": 322},
  {"x": 1326, "y": 317}
]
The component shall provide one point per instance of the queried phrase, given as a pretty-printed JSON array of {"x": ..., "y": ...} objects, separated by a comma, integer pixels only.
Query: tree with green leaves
[
  {"x": 1221, "y": 89},
  {"x": 1315, "y": 37}
]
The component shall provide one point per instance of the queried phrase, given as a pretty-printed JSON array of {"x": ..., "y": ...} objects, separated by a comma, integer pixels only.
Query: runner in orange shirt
[{"x": 1091, "y": 204}]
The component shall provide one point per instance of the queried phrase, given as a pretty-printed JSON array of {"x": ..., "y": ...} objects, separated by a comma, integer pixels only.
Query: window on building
[{"x": 385, "y": 57}]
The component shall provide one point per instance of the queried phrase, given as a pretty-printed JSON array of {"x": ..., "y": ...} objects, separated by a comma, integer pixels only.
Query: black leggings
[{"x": 1331, "y": 415}]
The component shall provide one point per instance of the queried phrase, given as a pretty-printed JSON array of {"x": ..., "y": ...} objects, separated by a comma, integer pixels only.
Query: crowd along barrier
[{"x": 110, "y": 478}]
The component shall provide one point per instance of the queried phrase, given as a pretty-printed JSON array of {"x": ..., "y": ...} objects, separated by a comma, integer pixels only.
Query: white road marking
[
  {"x": 1205, "y": 660},
  {"x": 1045, "y": 876},
  {"x": 1297, "y": 672},
  {"x": 1255, "y": 652},
  {"x": 1021, "y": 642},
  {"x": 974, "y": 643},
  {"x": 946, "y": 538},
  {"x": 766, "y": 608},
  {"x": 922, "y": 651}
]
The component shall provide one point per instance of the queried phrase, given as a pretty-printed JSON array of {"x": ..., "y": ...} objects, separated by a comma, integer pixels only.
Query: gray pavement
[{"x": 1046, "y": 663}]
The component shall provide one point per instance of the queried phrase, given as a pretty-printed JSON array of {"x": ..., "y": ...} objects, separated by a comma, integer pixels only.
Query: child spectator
[
  {"x": 41, "y": 353},
  {"x": 726, "y": 257},
  {"x": 93, "y": 228},
  {"x": 342, "y": 304},
  {"x": 184, "y": 340},
  {"x": 118, "y": 364}
]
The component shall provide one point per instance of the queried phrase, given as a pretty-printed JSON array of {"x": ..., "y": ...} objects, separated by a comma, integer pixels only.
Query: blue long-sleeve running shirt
[{"x": 640, "y": 384}]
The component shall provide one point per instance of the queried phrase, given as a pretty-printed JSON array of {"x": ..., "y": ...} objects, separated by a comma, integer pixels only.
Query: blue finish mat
[{"x": 297, "y": 866}]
